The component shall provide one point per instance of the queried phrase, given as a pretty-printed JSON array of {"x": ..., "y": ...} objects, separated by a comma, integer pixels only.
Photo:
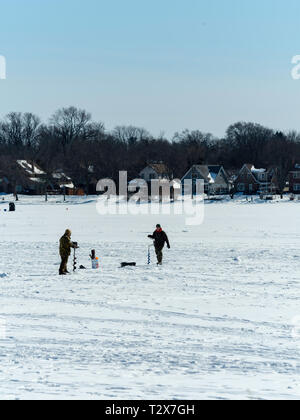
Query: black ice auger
[
  {"x": 75, "y": 258},
  {"x": 74, "y": 261}
]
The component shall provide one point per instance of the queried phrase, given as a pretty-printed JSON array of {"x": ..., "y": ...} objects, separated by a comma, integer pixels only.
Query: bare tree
[
  {"x": 11, "y": 132},
  {"x": 130, "y": 134},
  {"x": 247, "y": 142},
  {"x": 196, "y": 146},
  {"x": 71, "y": 124},
  {"x": 31, "y": 129},
  {"x": 19, "y": 129}
]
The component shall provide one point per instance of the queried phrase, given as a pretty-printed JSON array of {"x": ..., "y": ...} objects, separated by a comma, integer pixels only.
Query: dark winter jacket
[
  {"x": 65, "y": 245},
  {"x": 160, "y": 238}
]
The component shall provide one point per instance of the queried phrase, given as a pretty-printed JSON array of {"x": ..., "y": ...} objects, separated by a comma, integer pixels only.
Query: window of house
[
  {"x": 241, "y": 187},
  {"x": 296, "y": 175},
  {"x": 263, "y": 177},
  {"x": 297, "y": 187}
]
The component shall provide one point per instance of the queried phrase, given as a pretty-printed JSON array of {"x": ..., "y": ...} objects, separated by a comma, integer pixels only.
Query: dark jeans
[
  {"x": 64, "y": 264},
  {"x": 159, "y": 254}
]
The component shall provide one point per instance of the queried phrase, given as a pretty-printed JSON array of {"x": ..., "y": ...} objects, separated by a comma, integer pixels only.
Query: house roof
[
  {"x": 62, "y": 179},
  {"x": 232, "y": 174},
  {"x": 209, "y": 172},
  {"x": 255, "y": 172},
  {"x": 296, "y": 168},
  {"x": 258, "y": 171},
  {"x": 249, "y": 166},
  {"x": 159, "y": 168},
  {"x": 32, "y": 174},
  {"x": 31, "y": 168}
]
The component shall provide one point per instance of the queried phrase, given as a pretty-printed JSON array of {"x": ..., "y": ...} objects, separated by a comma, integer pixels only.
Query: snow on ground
[{"x": 216, "y": 321}]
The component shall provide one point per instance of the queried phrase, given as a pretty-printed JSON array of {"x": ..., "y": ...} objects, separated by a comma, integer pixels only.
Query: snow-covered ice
[{"x": 217, "y": 321}]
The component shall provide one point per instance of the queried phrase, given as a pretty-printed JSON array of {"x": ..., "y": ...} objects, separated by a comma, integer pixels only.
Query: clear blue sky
[{"x": 165, "y": 65}]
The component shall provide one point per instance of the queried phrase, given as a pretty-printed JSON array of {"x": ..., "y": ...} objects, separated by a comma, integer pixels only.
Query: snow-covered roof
[
  {"x": 70, "y": 185},
  {"x": 57, "y": 176},
  {"x": 212, "y": 176},
  {"x": 30, "y": 167},
  {"x": 258, "y": 171},
  {"x": 64, "y": 180},
  {"x": 209, "y": 172},
  {"x": 175, "y": 184},
  {"x": 37, "y": 180},
  {"x": 60, "y": 175}
]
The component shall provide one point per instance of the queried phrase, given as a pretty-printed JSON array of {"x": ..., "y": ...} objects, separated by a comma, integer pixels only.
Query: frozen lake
[{"x": 215, "y": 321}]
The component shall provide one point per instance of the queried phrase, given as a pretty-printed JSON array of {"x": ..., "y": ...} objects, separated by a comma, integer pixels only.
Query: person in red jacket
[{"x": 160, "y": 239}]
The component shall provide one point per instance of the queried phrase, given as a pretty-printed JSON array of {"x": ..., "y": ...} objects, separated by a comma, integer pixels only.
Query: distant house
[
  {"x": 5, "y": 186},
  {"x": 251, "y": 180},
  {"x": 61, "y": 183},
  {"x": 30, "y": 178},
  {"x": 232, "y": 174},
  {"x": 31, "y": 168},
  {"x": 294, "y": 179},
  {"x": 157, "y": 171},
  {"x": 86, "y": 179},
  {"x": 216, "y": 180},
  {"x": 167, "y": 187},
  {"x": 22, "y": 177},
  {"x": 27, "y": 177}
]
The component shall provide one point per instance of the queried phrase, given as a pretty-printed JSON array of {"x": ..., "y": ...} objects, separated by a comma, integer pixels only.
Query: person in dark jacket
[
  {"x": 65, "y": 245},
  {"x": 160, "y": 239}
]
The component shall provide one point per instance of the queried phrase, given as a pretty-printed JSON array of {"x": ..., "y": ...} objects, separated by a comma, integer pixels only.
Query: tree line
[{"x": 73, "y": 142}]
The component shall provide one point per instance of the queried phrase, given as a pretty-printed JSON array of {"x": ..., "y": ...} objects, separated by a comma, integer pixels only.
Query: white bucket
[{"x": 95, "y": 264}]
